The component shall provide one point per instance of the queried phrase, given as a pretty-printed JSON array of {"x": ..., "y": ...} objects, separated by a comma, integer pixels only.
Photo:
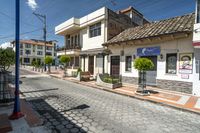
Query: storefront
[{"x": 172, "y": 54}]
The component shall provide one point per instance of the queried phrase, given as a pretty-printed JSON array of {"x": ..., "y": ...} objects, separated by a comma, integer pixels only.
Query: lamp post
[
  {"x": 42, "y": 18},
  {"x": 16, "y": 111}
]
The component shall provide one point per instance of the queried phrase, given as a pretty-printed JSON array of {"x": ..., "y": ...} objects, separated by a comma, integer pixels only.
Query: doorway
[
  {"x": 91, "y": 65},
  {"x": 115, "y": 66}
]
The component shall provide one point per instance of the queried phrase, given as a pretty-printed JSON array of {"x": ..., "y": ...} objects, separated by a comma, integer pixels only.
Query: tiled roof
[
  {"x": 35, "y": 42},
  {"x": 168, "y": 26}
]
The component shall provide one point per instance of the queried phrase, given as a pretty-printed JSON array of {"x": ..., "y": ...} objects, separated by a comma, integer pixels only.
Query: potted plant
[
  {"x": 143, "y": 65},
  {"x": 65, "y": 59},
  {"x": 48, "y": 60}
]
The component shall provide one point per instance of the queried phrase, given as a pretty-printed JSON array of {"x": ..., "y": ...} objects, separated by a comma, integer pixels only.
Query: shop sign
[
  {"x": 184, "y": 76},
  {"x": 185, "y": 63},
  {"x": 148, "y": 51}
]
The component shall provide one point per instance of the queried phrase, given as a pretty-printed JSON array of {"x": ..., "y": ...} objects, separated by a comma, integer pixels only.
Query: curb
[{"x": 136, "y": 97}]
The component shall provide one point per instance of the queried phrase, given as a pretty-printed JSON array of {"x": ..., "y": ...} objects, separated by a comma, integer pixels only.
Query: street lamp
[
  {"x": 42, "y": 18},
  {"x": 16, "y": 111}
]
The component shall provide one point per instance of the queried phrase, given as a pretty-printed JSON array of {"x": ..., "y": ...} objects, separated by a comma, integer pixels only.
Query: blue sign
[{"x": 148, "y": 51}]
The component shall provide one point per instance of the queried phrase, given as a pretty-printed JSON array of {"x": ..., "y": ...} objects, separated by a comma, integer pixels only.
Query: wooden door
[{"x": 91, "y": 65}]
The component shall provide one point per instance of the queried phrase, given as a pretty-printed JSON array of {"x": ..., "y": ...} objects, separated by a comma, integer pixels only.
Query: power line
[
  {"x": 13, "y": 19},
  {"x": 9, "y": 36}
]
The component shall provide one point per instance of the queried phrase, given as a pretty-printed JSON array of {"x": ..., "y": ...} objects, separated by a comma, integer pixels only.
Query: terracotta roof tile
[{"x": 168, "y": 26}]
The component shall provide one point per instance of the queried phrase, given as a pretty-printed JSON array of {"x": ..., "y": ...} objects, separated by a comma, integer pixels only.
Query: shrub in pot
[
  {"x": 48, "y": 60},
  {"x": 65, "y": 59},
  {"x": 143, "y": 65}
]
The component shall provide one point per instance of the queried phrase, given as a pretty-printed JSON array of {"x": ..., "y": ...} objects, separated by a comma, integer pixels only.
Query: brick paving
[
  {"x": 78, "y": 108},
  {"x": 172, "y": 98}
]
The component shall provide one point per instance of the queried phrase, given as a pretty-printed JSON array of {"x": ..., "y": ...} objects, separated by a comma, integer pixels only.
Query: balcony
[
  {"x": 68, "y": 26},
  {"x": 73, "y": 46}
]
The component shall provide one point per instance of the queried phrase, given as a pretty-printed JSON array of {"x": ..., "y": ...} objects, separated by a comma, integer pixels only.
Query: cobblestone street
[{"x": 76, "y": 108}]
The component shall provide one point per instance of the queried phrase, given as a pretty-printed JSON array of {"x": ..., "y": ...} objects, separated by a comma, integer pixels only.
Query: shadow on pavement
[{"x": 54, "y": 120}]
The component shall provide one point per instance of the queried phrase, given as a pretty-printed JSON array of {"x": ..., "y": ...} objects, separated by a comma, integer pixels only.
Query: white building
[
  {"x": 196, "y": 44},
  {"x": 84, "y": 37},
  {"x": 168, "y": 43},
  {"x": 35, "y": 50}
]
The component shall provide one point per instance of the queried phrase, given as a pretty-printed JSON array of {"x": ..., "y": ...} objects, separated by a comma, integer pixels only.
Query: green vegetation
[
  {"x": 48, "y": 60},
  {"x": 143, "y": 64},
  {"x": 65, "y": 59},
  {"x": 7, "y": 58},
  {"x": 109, "y": 79}
]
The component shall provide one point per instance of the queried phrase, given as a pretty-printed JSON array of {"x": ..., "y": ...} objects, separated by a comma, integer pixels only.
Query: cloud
[{"x": 32, "y": 4}]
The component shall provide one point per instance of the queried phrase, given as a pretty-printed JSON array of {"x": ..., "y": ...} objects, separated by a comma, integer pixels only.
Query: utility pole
[
  {"x": 42, "y": 18},
  {"x": 16, "y": 111}
]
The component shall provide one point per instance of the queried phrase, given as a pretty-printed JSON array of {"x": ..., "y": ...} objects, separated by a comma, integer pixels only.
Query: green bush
[
  {"x": 110, "y": 80},
  {"x": 78, "y": 70},
  {"x": 48, "y": 60},
  {"x": 7, "y": 58},
  {"x": 143, "y": 64},
  {"x": 65, "y": 59}
]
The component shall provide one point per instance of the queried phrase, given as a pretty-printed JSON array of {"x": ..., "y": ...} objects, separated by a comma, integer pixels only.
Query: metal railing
[{"x": 5, "y": 92}]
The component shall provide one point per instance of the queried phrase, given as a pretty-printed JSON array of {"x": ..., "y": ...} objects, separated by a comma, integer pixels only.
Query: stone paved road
[{"x": 76, "y": 108}]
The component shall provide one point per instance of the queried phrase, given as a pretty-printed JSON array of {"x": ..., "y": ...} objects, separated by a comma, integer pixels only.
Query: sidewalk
[
  {"x": 174, "y": 99},
  {"x": 30, "y": 123}
]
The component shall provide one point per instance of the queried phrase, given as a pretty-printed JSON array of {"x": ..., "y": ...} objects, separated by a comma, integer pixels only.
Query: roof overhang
[
  {"x": 152, "y": 39},
  {"x": 74, "y": 52}
]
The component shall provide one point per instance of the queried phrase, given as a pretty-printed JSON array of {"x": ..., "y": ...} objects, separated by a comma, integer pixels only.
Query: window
[
  {"x": 198, "y": 11},
  {"x": 95, "y": 30},
  {"x": 27, "y": 52},
  {"x": 26, "y": 60},
  {"x": 21, "y": 45},
  {"x": 76, "y": 62},
  {"x": 171, "y": 62},
  {"x": 39, "y": 53},
  {"x": 21, "y": 52},
  {"x": 67, "y": 40},
  {"x": 49, "y": 48},
  {"x": 49, "y": 53},
  {"x": 28, "y": 45},
  {"x": 72, "y": 40},
  {"x": 128, "y": 63},
  {"x": 39, "y": 47}
]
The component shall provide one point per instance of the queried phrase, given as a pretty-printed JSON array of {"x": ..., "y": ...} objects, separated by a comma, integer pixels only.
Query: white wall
[
  {"x": 182, "y": 45},
  {"x": 94, "y": 42}
]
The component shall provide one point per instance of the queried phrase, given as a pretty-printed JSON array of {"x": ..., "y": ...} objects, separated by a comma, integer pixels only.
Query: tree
[
  {"x": 143, "y": 65},
  {"x": 65, "y": 59},
  {"x": 33, "y": 63},
  {"x": 48, "y": 60},
  {"x": 7, "y": 58}
]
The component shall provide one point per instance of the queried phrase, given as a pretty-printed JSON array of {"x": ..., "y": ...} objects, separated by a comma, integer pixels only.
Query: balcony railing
[{"x": 73, "y": 46}]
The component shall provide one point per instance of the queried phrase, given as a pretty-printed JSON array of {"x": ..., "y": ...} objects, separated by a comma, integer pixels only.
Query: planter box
[{"x": 107, "y": 85}]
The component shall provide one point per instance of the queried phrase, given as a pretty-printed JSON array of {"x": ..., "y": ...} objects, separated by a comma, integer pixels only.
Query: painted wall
[
  {"x": 176, "y": 46},
  {"x": 94, "y": 42}
]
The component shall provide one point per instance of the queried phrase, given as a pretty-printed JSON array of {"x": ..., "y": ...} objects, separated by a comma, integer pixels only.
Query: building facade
[
  {"x": 35, "y": 50},
  {"x": 84, "y": 37},
  {"x": 196, "y": 44},
  {"x": 168, "y": 43}
]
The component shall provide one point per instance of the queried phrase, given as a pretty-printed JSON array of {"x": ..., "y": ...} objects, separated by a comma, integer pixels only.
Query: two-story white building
[
  {"x": 84, "y": 36},
  {"x": 35, "y": 49}
]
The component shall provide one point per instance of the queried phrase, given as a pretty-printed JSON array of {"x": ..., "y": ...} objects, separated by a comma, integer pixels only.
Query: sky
[{"x": 58, "y": 11}]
